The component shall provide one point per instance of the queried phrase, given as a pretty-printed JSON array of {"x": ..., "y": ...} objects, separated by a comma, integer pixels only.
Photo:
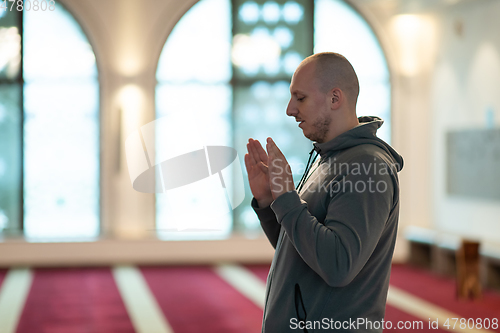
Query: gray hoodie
[{"x": 335, "y": 239}]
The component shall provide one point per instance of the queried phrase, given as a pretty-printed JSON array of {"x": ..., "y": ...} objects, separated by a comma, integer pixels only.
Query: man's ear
[{"x": 336, "y": 98}]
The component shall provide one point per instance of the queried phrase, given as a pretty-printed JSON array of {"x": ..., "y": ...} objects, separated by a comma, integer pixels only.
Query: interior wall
[
  {"x": 128, "y": 36},
  {"x": 446, "y": 76},
  {"x": 410, "y": 54},
  {"x": 465, "y": 91}
]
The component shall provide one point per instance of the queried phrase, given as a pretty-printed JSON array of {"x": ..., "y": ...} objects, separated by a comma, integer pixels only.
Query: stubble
[{"x": 320, "y": 129}]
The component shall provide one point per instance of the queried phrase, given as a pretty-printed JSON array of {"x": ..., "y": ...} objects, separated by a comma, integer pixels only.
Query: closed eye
[{"x": 300, "y": 99}]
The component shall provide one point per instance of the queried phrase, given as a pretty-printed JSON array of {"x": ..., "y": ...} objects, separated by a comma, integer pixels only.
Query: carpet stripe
[
  {"x": 401, "y": 306},
  {"x": 244, "y": 281},
  {"x": 74, "y": 300},
  {"x": 441, "y": 291},
  {"x": 195, "y": 299},
  {"x": 260, "y": 271},
  {"x": 13, "y": 293},
  {"x": 399, "y": 317},
  {"x": 3, "y": 273},
  {"x": 141, "y": 305},
  {"x": 423, "y": 309}
]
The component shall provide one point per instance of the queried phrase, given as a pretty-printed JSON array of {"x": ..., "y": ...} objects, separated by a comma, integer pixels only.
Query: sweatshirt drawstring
[{"x": 308, "y": 167}]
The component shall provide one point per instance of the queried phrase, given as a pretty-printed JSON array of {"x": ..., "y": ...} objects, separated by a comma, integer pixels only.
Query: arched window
[
  {"x": 339, "y": 28},
  {"x": 49, "y": 120},
  {"x": 224, "y": 73}
]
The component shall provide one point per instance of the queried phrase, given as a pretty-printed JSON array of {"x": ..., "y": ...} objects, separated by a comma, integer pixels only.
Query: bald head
[{"x": 334, "y": 70}]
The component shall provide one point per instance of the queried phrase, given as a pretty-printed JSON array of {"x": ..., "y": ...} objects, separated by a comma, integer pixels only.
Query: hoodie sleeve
[
  {"x": 338, "y": 249},
  {"x": 268, "y": 222}
]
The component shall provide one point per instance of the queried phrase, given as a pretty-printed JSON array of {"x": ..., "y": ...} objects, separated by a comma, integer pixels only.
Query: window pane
[
  {"x": 193, "y": 100},
  {"x": 189, "y": 125},
  {"x": 260, "y": 112},
  {"x": 55, "y": 47},
  {"x": 10, "y": 44},
  {"x": 10, "y": 158},
  {"x": 61, "y": 128},
  {"x": 61, "y": 160},
  {"x": 270, "y": 38},
  {"x": 198, "y": 49},
  {"x": 339, "y": 28}
]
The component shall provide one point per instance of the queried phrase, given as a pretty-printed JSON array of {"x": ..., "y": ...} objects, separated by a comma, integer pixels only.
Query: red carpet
[
  {"x": 441, "y": 292},
  {"x": 196, "y": 299},
  {"x": 3, "y": 272},
  {"x": 421, "y": 283},
  {"x": 74, "y": 301},
  {"x": 260, "y": 271},
  {"x": 396, "y": 316}
]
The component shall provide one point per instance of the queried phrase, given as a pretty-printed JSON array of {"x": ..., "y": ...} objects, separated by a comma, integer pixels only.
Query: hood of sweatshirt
[{"x": 365, "y": 132}]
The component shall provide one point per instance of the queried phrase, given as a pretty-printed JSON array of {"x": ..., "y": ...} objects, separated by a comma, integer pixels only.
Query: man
[{"x": 334, "y": 236}]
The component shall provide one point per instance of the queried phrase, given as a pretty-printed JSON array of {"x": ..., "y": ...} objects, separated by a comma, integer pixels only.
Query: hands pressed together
[{"x": 269, "y": 173}]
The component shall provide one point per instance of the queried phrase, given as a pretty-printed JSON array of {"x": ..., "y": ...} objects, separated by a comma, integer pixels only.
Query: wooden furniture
[
  {"x": 437, "y": 251},
  {"x": 468, "y": 274}
]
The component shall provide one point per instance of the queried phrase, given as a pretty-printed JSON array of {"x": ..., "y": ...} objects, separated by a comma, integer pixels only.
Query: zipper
[{"x": 303, "y": 180}]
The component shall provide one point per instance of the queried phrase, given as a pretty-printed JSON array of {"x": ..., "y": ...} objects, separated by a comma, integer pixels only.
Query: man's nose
[{"x": 291, "y": 110}]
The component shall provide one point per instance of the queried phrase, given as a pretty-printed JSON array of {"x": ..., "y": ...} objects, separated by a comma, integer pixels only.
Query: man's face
[{"x": 308, "y": 104}]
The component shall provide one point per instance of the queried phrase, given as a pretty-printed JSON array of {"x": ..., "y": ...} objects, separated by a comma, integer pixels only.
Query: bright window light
[
  {"x": 292, "y": 12},
  {"x": 194, "y": 97},
  {"x": 339, "y": 28},
  {"x": 249, "y": 12},
  {"x": 271, "y": 12},
  {"x": 61, "y": 129},
  {"x": 270, "y": 40}
]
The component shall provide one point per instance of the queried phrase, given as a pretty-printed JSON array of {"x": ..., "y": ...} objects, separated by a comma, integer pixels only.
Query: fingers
[
  {"x": 270, "y": 146},
  {"x": 270, "y": 155},
  {"x": 274, "y": 147},
  {"x": 247, "y": 162},
  {"x": 251, "y": 154},
  {"x": 258, "y": 152},
  {"x": 276, "y": 154},
  {"x": 262, "y": 153},
  {"x": 253, "y": 158}
]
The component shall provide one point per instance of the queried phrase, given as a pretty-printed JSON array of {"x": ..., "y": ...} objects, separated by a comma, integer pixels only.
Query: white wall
[
  {"x": 465, "y": 84},
  {"x": 410, "y": 54},
  {"x": 446, "y": 74}
]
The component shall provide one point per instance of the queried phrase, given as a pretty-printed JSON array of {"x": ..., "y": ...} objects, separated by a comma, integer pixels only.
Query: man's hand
[
  {"x": 280, "y": 173},
  {"x": 256, "y": 162}
]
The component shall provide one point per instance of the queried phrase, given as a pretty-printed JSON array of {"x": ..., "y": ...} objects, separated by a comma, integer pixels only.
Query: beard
[{"x": 320, "y": 129}]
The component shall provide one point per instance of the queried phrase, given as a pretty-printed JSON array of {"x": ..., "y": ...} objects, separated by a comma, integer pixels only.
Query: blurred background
[{"x": 78, "y": 77}]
